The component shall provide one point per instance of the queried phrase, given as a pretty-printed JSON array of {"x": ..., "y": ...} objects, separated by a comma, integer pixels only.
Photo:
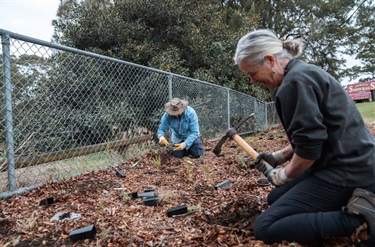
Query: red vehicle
[{"x": 362, "y": 91}]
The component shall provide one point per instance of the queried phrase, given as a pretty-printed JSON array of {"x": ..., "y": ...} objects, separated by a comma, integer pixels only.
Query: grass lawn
[{"x": 367, "y": 110}]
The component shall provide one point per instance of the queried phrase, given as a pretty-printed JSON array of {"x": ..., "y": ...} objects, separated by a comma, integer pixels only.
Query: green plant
[
  {"x": 103, "y": 228},
  {"x": 189, "y": 172},
  {"x": 27, "y": 224},
  {"x": 194, "y": 208},
  {"x": 65, "y": 192},
  {"x": 101, "y": 205},
  {"x": 207, "y": 174},
  {"x": 156, "y": 161},
  {"x": 103, "y": 234},
  {"x": 166, "y": 195},
  {"x": 241, "y": 161}
]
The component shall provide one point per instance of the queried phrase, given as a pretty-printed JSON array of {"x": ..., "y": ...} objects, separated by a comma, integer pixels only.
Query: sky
[{"x": 31, "y": 18}]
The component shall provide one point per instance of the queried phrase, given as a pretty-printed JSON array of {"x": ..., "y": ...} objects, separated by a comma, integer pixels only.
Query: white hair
[{"x": 257, "y": 44}]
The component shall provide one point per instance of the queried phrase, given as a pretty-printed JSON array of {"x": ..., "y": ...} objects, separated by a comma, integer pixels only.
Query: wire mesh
[{"x": 74, "y": 112}]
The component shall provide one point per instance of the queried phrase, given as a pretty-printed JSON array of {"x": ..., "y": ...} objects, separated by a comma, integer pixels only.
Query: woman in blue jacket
[{"x": 183, "y": 122}]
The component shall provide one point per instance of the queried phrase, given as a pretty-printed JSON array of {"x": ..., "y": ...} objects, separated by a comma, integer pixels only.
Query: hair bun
[{"x": 293, "y": 46}]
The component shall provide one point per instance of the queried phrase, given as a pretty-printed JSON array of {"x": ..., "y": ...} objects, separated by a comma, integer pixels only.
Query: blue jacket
[{"x": 185, "y": 128}]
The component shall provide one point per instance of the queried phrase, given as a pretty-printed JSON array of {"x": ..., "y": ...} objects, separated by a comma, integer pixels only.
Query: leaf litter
[{"x": 217, "y": 216}]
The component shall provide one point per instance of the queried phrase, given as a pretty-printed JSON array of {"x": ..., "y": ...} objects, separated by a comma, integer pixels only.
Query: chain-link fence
[{"x": 68, "y": 111}]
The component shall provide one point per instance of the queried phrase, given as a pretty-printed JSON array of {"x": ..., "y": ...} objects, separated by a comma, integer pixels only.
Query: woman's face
[{"x": 266, "y": 74}]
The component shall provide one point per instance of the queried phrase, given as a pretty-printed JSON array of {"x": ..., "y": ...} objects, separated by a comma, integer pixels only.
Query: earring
[{"x": 273, "y": 71}]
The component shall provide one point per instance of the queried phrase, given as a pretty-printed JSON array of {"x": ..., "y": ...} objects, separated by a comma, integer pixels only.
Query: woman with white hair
[{"x": 325, "y": 179}]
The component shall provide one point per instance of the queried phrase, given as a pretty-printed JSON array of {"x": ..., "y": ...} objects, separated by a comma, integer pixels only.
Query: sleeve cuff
[{"x": 284, "y": 177}]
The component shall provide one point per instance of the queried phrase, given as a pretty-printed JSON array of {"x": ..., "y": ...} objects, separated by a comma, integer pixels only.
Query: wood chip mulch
[{"x": 101, "y": 201}]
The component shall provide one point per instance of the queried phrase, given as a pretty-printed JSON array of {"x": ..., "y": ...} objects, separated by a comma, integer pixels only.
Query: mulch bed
[{"x": 223, "y": 197}]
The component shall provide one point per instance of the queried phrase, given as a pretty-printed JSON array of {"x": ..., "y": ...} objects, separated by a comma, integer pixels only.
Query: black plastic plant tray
[
  {"x": 83, "y": 233},
  {"x": 133, "y": 195},
  {"x": 150, "y": 190},
  {"x": 120, "y": 174},
  {"x": 151, "y": 201},
  {"x": 47, "y": 201},
  {"x": 146, "y": 194},
  {"x": 221, "y": 185},
  {"x": 177, "y": 210}
]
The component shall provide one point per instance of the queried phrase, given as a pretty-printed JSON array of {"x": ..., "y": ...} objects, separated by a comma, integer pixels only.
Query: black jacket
[{"x": 323, "y": 124}]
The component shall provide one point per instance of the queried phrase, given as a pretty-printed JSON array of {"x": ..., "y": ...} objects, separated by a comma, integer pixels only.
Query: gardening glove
[
  {"x": 163, "y": 142},
  {"x": 277, "y": 176},
  {"x": 274, "y": 159},
  {"x": 179, "y": 146}
]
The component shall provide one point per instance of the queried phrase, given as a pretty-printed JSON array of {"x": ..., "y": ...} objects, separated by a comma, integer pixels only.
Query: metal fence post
[
  {"x": 8, "y": 112},
  {"x": 170, "y": 93},
  {"x": 228, "y": 115}
]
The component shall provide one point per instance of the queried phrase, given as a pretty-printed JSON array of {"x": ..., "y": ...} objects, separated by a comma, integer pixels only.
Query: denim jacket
[{"x": 185, "y": 128}]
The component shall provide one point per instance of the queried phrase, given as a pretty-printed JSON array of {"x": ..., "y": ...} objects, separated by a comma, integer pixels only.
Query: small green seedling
[{"x": 156, "y": 161}]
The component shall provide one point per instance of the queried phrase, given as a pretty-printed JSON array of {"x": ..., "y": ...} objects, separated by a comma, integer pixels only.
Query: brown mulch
[{"x": 99, "y": 200}]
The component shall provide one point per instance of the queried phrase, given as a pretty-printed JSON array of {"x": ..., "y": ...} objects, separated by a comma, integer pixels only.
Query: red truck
[{"x": 362, "y": 91}]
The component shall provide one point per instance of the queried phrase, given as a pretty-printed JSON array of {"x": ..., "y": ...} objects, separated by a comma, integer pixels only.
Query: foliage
[
  {"x": 156, "y": 161},
  {"x": 28, "y": 74},
  {"x": 93, "y": 97},
  {"x": 329, "y": 29},
  {"x": 194, "y": 39},
  {"x": 81, "y": 101},
  {"x": 68, "y": 101},
  {"x": 360, "y": 40},
  {"x": 198, "y": 38},
  {"x": 26, "y": 225}
]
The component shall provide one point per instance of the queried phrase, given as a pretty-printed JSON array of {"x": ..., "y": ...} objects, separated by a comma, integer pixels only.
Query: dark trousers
[
  {"x": 196, "y": 150},
  {"x": 307, "y": 212}
]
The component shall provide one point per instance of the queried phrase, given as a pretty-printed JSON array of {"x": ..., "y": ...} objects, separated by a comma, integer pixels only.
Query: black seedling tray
[
  {"x": 47, "y": 201},
  {"x": 151, "y": 201},
  {"x": 221, "y": 185},
  {"x": 133, "y": 195},
  {"x": 83, "y": 233},
  {"x": 147, "y": 194},
  {"x": 177, "y": 210},
  {"x": 149, "y": 190},
  {"x": 120, "y": 174}
]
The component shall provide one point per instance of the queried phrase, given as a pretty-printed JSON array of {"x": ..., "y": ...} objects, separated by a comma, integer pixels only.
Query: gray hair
[{"x": 257, "y": 44}]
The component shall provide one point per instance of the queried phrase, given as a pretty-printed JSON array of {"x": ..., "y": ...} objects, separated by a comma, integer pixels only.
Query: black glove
[
  {"x": 259, "y": 165},
  {"x": 274, "y": 159}
]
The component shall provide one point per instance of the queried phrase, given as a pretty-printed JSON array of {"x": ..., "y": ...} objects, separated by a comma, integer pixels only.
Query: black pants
[{"x": 305, "y": 210}]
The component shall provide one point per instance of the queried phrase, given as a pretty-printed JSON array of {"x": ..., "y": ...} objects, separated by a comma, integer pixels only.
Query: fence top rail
[
  {"x": 70, "y": 49},
  {"x": 13, "y": 35}
]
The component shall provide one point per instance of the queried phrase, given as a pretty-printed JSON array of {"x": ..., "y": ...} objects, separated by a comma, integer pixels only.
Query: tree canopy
[{"x": 198, "y": 38}]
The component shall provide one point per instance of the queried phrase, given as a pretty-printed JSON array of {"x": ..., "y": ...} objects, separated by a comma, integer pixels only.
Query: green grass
[
  {"x": 367, "y": 110},
  {"x": 62, "y": 169}
]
